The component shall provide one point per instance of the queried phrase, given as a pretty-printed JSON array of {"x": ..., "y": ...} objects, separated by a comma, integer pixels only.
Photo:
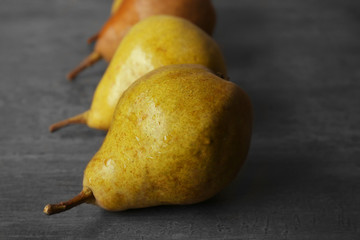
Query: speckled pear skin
[
  {"x": 179, "y": 135},
  {"x": 155, "y": 42}
]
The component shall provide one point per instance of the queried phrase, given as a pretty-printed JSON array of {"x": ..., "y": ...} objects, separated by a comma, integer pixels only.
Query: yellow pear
[
  {"x": 180, "y": 134},
  {"x": 157, "y": 41}
]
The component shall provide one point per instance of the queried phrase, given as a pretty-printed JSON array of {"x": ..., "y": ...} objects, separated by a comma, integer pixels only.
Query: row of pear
[{"x": 178, "y": 130}]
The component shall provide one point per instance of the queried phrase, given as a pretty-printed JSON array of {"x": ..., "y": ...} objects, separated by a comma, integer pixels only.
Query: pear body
[
  {"x": 155, "y": 42},
  {"x": 180, "y": 134}
]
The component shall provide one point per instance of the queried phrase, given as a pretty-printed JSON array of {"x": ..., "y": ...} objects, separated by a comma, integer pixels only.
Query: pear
[
  {"x": 129, "y": 12},
  {"x": 180, "y": 134},
  {"x": 157, "y": 41}
]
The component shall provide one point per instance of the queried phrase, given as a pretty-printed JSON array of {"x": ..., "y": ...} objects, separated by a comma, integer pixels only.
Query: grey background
[{"x": 299, "y": 62}]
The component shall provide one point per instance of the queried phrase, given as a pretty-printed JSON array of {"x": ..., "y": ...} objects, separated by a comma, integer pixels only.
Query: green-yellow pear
[
  {"x": 157, "y": 41},
  {"x": 180, "y": 134}
]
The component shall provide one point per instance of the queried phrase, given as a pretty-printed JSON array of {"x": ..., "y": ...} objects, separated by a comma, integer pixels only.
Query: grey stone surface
[{"x": 299, "y": 62}]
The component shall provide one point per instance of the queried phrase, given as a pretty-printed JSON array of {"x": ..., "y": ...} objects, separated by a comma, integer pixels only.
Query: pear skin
[
  {"x": 155, "y": 42},
  {"x": 180, "y": 134},
  {"x": 130, "y": 12}
]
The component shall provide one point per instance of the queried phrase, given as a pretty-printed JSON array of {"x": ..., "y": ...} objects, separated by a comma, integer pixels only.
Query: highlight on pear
[{"x": 115, "y": 6}]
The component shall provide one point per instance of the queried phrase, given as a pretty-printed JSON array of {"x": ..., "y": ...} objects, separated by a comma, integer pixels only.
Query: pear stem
[
  {"x": 93, "y": 38},
  {"x": 85, "y": 195},
  {"x": 78, "y": 119},
  {"x": 87, "y": 62}
]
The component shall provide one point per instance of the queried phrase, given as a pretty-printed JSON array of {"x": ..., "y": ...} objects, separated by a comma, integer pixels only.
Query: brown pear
[{"x": 129, "y": 12}]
